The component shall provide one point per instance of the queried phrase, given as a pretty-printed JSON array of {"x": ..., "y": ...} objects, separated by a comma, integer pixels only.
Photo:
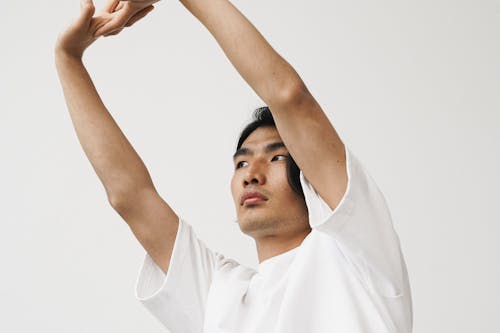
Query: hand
[
  {"x": 79, "y": 34},
  {"x": 126, "y": 13}
]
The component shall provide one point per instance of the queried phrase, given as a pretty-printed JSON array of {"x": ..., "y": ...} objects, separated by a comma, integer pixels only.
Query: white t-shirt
[{"x": 347, "y": 276}]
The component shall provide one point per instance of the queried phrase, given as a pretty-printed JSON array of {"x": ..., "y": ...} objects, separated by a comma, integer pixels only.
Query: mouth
[
  {"x": 252, "y": 201},
  {"x": 252, "y": 197}
]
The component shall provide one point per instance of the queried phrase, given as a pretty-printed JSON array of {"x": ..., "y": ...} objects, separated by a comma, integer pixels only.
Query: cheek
[
  {"x": 234, "y": 182},
  {"x": 279, "y": 178}
]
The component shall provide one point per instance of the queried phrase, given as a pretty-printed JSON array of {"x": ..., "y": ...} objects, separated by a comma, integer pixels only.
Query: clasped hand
[{"x": 110, "y": 20}]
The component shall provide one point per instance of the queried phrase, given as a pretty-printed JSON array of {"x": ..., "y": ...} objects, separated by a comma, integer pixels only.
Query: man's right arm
[{"x": 127, "y": 182}]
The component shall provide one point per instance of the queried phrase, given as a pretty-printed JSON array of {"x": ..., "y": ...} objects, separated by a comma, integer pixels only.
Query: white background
[{"x": 412, "y": 88}]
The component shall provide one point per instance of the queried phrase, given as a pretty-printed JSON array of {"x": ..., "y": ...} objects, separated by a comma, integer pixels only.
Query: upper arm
[
  {"x": 312, "y": 142},
  {"x": 153, "y": 223}
]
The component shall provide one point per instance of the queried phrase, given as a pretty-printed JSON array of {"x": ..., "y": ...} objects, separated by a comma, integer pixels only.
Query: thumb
[{"x": 87, "y": 11}]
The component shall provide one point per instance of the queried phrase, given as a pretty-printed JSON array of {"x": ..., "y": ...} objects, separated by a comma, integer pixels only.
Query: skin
[
  {"x": 129, "y": 187},
  {"x": 277, "y": 225},
  {"x": 128, "y": 12},
  {"x": 280, "y": 223}
]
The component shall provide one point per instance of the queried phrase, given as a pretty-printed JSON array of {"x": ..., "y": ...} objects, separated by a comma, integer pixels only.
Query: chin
[{"x": 252, "y": 223}]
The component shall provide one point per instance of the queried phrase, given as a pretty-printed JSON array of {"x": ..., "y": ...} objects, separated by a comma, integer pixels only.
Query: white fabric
[{"x": 347, "y": 276}]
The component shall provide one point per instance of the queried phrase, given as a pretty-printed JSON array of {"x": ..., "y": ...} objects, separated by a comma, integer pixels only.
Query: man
[{"x": 329, "y": 258}]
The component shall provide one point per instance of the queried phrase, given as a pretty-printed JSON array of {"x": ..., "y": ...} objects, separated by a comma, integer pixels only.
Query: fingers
[
  {"x": 132, "y": 20},
  {"x": 116, "y": 23},
  {"x": 98, "y": 22},
  {"x": 136, "y": 17},
  {"x": 115, "y": 32},
  {"x": 111, "y": 5},
  {"x": 139, "y": 15},
  {"x": 87, "y": 11}
]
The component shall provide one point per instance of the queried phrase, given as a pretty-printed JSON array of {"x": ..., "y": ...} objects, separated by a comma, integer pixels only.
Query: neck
[{"x": 270, "y": 246}]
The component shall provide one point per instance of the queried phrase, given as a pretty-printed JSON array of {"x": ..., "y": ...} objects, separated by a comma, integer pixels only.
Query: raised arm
[
  {"x": 127, "y": 182},
  {"x": 305, "y": 129}
]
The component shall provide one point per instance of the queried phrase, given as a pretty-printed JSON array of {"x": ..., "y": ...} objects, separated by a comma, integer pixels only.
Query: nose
[{"x": 255, "y": 174}]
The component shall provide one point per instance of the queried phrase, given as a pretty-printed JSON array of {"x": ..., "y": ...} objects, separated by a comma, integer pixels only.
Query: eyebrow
[{"x": 268, "y": 148}]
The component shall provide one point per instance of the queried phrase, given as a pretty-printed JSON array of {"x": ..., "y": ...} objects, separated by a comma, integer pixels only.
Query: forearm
[
  {"x": 269, "y": 75},
  {"x": 113, "y": 158}
]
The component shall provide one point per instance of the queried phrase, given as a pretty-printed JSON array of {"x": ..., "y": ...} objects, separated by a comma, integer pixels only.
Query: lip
[
  {"x": 252, "y": 200},
  {"x": 251, "y": 197}
]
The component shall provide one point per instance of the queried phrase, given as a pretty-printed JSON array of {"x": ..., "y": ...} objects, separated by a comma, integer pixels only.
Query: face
[{"x": 262, "y": 168}]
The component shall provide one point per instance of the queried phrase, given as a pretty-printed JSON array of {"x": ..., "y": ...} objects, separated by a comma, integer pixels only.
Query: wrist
[{"x": 62, "y": 54}]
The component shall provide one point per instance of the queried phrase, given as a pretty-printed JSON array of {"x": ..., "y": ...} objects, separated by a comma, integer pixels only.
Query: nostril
[{"x": 254, "y": 181}]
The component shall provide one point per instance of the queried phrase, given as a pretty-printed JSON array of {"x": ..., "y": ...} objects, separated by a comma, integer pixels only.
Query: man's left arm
[{"x": 305, "y": 129}]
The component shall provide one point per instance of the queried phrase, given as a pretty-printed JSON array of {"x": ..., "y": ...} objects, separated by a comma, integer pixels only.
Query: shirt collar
[{"x": 276, "y": 264}]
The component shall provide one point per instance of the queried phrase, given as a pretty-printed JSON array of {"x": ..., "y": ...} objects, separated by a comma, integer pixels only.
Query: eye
[
  {"x": 284, "y": 156},
  {"x": 238, "y": 165}
]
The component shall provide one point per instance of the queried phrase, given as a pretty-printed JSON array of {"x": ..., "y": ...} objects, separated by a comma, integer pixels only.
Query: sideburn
[{"x": 293, "y": 176}]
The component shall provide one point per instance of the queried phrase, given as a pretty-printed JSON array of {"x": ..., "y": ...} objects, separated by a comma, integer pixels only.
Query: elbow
[
  {"x": 119, "y": 200},
  {"x": 128, "y": 192},
  {"x": 292, "y": 94},
  {"x": 124, "y": 200},
  {"x": 114, "y": 202}
]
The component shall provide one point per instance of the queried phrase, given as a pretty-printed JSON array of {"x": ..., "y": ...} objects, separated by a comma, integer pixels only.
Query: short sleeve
[
  {"x": 177, "y": 299},
  {"x": 362, "y": 226}
]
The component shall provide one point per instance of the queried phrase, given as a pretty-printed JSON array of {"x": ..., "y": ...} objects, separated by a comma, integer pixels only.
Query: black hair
[{"x": 263, "y": 117}]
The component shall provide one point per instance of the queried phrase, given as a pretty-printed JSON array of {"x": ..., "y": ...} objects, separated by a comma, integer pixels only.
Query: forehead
[
  {"x": 261, "y": 136},
  {"x": 264, "y": 139}
]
